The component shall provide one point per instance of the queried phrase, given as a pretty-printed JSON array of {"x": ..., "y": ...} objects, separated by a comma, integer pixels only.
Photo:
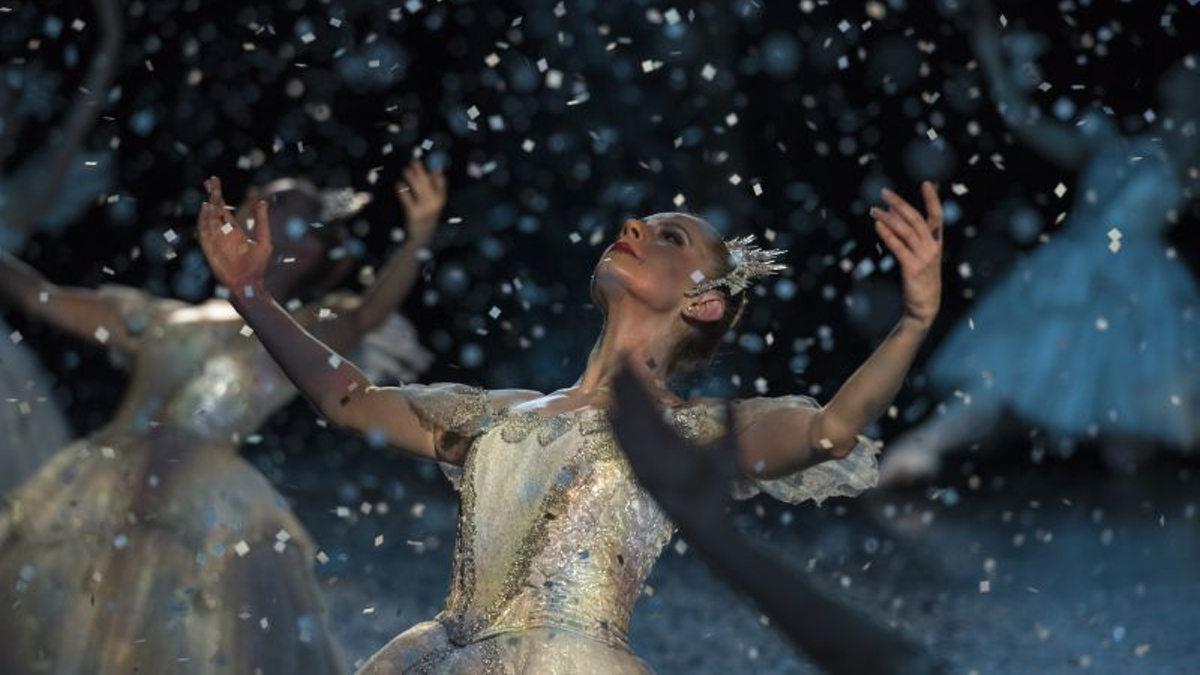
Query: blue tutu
[{"x": 1081, "y": 340}]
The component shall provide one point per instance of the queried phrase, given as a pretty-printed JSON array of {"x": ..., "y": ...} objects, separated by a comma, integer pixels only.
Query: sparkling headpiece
[
  {"x": 335, "y": 203},
  {"x": 342, "y": 203},
  {"x": 749, "y": 263}
]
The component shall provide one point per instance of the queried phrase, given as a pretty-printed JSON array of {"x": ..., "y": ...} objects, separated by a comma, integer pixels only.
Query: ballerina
[
  {"x": 151, "y": 542},
  {"x": 1096, "y": 331},
  {"x": 555, "y": 538}
]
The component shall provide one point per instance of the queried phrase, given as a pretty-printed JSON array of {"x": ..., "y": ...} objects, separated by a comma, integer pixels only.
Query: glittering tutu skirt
[
  {"x": 157, "y": 553},
  {"x": 1080, "y": 340},
  {"x": 426, "y": 648}
]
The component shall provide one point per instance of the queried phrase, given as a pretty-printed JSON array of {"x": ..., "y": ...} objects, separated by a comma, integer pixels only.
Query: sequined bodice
[
  {"x": 204, "y": 376},
  {"x": 553, "y": 530}
]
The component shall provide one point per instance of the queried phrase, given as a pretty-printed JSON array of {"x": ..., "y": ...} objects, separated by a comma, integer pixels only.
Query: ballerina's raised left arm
[{"x": 787, "y": 439}]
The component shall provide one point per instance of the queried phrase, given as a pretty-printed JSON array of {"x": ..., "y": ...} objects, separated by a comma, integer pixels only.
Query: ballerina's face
[{"x": 657, "y": 259}]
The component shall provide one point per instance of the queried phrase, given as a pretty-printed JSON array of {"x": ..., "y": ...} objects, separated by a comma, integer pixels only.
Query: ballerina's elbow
[
  {"x": 833, "y": 446},
  {"x": 829, "y": 439},
  {"x": 838, "y": 449}
]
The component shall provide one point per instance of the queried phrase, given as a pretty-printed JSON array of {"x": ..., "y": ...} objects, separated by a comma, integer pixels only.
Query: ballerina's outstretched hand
[
  {"x": 916, "y": 242},
  {"x": 422, "y": 194},
  {"x": 238, "y": 260}
]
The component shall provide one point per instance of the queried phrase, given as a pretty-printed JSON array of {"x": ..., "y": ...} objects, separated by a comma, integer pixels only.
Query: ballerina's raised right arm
[
  {"x": 1057, "y": 142},
  {"x": 341, "y": 392}
]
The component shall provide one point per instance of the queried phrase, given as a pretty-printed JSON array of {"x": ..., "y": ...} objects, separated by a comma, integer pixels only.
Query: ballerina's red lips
[{"x": 624, "y": 247}]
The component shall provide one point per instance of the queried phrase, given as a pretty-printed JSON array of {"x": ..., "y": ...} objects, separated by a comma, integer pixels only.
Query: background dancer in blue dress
[{"x": 1095, "y": 333}]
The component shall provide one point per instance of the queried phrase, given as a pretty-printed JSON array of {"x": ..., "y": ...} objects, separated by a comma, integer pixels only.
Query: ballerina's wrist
[
  {"x": 916, "y": 323},
  {"x": 421, "y": 232},
  {"x": 248, "y": 290}
]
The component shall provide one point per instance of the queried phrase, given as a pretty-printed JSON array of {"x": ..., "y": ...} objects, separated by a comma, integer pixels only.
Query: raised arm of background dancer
[
  {"x": 768, "y": 448},
  {"x": 339, "y": 391},
  {"x": 423, "y": 195},
  {"x": 81, "y": 312},
  {"x": 1057, "y": 142}
]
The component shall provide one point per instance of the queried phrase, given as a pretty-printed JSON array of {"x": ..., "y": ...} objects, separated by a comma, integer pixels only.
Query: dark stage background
[{"x": 555, "y": 121}]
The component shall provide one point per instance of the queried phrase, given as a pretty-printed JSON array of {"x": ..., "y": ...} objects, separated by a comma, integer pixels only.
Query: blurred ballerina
[
  {"x": 46, "y": 190},
  {"x": 1096, "y": 331},
  {"x": 152, "y": 541}
]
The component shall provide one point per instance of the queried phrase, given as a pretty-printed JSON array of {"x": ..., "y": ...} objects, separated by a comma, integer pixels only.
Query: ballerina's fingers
[
  {"x": 210, "y": 228},
  {"x": 910, "y": 215},
  {"x": 418, "y": 178},
  {"x": 210, "y": 223},
  {"x": 245, "y": 210},
  {"x": 216, "y": 219},
  {"x": 933, "y": 206},
  {"x": 894, "y": 243},
  {"x": 404, "y": 193},
  {"x": 898, "y": 227},
  {"x": 217, "y": 199},
  {"x": 262, "y": 225},
  {"x": 203, "y": 223}
]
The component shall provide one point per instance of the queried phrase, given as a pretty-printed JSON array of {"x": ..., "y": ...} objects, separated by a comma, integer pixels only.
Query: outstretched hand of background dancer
[
  {"x": 422, "y": 193},
  {"x": 237, "y": 259},
  {"x": 916, "y": 242},
  {"x": 689, "y": 483}
]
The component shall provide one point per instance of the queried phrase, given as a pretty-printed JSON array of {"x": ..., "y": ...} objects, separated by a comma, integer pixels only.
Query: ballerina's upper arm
[
  {"x": 430, "y": 421},
  {"x": 777, "y": 455},
  {"x": 772, "y": 435}
]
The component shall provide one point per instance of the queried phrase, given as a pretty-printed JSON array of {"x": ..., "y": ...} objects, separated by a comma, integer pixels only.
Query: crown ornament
[
  {"x": 339, "y": 203},
  {"x": 749, "y": 263}
]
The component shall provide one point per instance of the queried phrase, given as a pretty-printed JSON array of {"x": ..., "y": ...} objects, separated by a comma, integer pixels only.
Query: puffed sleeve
[
  {"x": 456, "y": 414},
  {"x": 844, "y": 477}
]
